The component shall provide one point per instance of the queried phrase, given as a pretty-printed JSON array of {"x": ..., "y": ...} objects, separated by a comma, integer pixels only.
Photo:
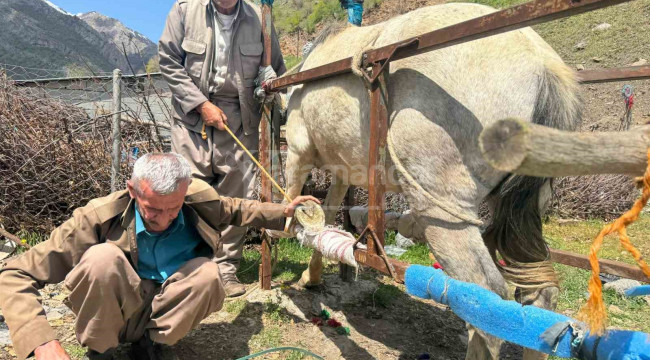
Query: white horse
[{"x": 439, "y": 102}]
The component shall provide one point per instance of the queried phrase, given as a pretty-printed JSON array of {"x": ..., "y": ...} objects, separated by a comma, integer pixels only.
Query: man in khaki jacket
[
  {"x": 211, "y": 53},
  {"x": 137, "y": 264}
]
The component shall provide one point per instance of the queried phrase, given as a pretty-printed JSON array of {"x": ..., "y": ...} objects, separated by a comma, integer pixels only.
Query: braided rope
[{"x": 594, "y": 313}]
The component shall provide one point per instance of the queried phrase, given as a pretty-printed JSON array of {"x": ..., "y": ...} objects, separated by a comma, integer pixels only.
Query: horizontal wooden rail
[{"x": 606, "y": 266}]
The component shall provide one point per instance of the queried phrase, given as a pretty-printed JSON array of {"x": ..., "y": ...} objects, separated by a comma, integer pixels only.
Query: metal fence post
[{"x": 117, "y": 137}]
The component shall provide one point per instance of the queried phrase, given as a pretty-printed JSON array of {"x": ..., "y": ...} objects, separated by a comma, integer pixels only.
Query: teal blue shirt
[{"x": 161, "y": 255}]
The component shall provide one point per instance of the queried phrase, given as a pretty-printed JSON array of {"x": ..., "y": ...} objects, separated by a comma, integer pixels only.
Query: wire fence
[{"x": 56, "y": 139}]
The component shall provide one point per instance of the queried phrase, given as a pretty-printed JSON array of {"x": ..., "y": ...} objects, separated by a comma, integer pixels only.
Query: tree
[{"x": 153, "y": 66}]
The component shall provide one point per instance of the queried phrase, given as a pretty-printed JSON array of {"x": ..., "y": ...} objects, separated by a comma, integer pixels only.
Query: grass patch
[
  {"x": 625, "y": 42},
  {"x": 385, "y": 295},
  {"x": 275, "y": 312},
  {"x": 498, "y": 4},
  {"x": 235, "y": 307},
  {"x": 290, "y": 61},
  {"x": 269, "y": 337},
  {"x": 75, "y": 351},
  {"x": 292, "y": 260},
  {"x": 30, "y": 238},
  {"x": 578, "y": 236},
  {"x": 416, "y": 254}
]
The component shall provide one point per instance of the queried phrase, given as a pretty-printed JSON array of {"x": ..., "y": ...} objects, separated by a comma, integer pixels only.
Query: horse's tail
[{"x": 515, "y": 233}]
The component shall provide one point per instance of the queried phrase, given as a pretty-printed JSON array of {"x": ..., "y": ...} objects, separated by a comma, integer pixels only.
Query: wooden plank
[
  {"x": 606, "y": 266},
  {"x": 377, "y": 263}
]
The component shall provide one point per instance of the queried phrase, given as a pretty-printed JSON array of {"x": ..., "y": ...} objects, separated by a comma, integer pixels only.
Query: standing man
[{"x": 211, "y": 53}]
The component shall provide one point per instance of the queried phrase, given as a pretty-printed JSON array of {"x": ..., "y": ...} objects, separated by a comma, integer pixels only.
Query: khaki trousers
[
  {"x": 220, "y": 162},
  {"x": 113, "y": 305}
]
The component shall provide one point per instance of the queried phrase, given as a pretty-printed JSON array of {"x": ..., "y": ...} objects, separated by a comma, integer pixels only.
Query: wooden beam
[
  {"x": 515, "y": 146},
  {"x": 606, "y": 266}
]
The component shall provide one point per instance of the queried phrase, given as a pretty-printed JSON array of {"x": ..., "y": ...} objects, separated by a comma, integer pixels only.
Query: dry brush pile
[{"x": 54, "y": 158}]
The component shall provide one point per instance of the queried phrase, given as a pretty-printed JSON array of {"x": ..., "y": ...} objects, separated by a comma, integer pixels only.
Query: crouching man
[{"x": 137, "y": 264}]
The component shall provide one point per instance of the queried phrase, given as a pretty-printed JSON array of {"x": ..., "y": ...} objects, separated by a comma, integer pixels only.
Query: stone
[
  {"x": 580, "y": 46},
  {"x": 596, "y": 59},
  {"x": 57, "y": 312},
  {"x": 403, "y": 241},
  {"x": 639, "y": 62},
  {"x": 5, "y": 339},
  {"x": 620, "y": 286},
  {"x": 615, "y": 310},
  {"x": 601, "y": 27},
  {"x": 464, "y": 339},
  {"x": 580, "y": 67}
]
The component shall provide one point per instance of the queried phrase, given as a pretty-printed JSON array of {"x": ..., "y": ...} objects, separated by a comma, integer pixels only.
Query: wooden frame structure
[{"x": 378, "y": 61}]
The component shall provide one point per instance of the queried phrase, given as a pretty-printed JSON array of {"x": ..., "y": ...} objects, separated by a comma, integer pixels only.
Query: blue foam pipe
[
  {"x": 521, "y": 325},
  {"x": 638, "y": 291}
]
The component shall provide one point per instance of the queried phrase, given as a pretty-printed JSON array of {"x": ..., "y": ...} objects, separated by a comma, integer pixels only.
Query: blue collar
[{"x": 176, "y": 225}]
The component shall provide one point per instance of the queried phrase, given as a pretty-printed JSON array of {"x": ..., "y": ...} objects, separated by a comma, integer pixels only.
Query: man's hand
[
  {"x": 51, "y": 351},
  {"x": 212, "y": 115},
  {"x": 291, "y": 208}
]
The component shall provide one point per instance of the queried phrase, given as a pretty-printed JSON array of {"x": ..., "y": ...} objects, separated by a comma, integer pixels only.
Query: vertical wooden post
[
  {"x": 377, "y": 156},
  {"x": 117, "y": 136},
  {"x": 345, "y": 271},
  {"x": 266, "y": 194}
]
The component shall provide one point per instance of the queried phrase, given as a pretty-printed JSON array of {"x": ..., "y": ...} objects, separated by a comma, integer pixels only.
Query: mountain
[
  {"x": 138, "y": 47},
  {"x": 39, "y": 35}
]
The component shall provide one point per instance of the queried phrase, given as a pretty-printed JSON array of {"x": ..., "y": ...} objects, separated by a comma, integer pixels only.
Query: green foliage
[
  {"x": 76, "y": 70},
  {"x": 305, "y": 15},
  {"x": 235, "y": 307},
  {"x": 290, "y": 61},
  {"x": 153, "y": 66},
  {"x": 499, "y": 4},
  {"x": 385, "y": 295}
]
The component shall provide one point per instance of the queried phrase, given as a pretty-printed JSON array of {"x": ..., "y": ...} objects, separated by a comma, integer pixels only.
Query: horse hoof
[{"x": 307, "y": 283}]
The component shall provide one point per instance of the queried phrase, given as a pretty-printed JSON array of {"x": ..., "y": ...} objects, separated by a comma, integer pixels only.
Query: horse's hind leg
[
  {"x": 335, "y": 195},
  {"x": 460, "y": 250}
]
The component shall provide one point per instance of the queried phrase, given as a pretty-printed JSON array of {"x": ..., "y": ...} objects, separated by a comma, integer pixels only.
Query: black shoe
[{"x": 94, "y": 355}]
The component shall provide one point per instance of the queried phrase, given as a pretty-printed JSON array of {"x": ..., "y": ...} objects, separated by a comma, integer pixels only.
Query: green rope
[{"x": 283, "y": 348}]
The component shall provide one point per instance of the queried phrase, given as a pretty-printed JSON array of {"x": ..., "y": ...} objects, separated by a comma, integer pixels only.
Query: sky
[{"x": 145, "y": 16}]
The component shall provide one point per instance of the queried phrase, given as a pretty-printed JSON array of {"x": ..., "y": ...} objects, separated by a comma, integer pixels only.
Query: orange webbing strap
[{"x": 594, "y": 313}]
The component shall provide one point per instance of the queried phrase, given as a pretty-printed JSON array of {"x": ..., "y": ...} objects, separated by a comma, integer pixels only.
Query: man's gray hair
[{"x": 163, "y": 172}]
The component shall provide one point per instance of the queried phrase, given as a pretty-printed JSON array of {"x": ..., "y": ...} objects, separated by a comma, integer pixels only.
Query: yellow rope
[
  {"x": 278, "y": 187},
  {"x": 594, "y": 313}
]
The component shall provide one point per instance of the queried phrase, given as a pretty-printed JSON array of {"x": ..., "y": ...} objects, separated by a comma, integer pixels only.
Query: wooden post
[
  {"x": 515, "y": 146},
  {"x": 345, "y": 271},
  {"x": 377, "y": 156},
  {"x": 117, "y": 137},
  {"x": 266, "y": 194}
]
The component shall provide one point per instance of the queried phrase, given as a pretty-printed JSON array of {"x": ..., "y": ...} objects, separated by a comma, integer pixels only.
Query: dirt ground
[{"x": 384, "y": 323}]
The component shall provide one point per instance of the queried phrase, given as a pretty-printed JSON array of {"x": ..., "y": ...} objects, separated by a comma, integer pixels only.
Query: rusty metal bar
[
  {"x": 264, "y": 147},
  {"x": 377, "y": 156},
  {"x": 616, "y": 74},
  {"x": 363, "y": 257},
  {"x": 513, "y": 18},
  {"x": 606, "y": 266}
]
